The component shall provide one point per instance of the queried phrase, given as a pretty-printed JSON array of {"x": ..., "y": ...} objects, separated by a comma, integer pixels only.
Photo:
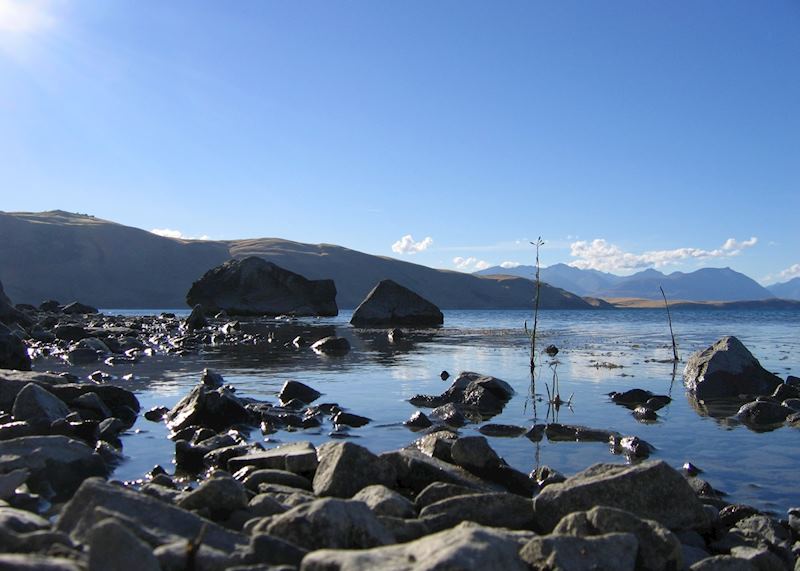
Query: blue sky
[{"x": 626, "y": 134}]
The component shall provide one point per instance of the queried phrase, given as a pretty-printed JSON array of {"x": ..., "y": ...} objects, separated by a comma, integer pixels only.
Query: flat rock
[
  {"x": 29, "y": 562},
  {"x": 330, "y": 523},
  {"x": 727, "y": 369},
  {"x": 297, "y": 457},
  {"x": 649, "y": 490},
  {"x": 488, "y": 509},
  {"x": 57, "y": 464},
  {"x": 345, "y": 468},
  {"x": 415, "y": 471},
  {"x": 391, "y": 305},
  {"x": 253, "y": 286},
  {"x": 96, "y": 499},
  {"x": 659, "y": 548},
  {"x": 463, "y": 547},
  {"x": 609, "y": 552}
]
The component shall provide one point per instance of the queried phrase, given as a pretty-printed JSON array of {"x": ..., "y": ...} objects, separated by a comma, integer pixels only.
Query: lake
[{"x": 600, "y": 352}]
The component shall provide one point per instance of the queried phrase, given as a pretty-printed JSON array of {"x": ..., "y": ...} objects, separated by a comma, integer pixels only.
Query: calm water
[{"x": 376, "y": 378}]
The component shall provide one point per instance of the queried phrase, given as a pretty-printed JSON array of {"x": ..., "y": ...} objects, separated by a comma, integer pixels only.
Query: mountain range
[
  {"x": 65, "y": 256},
  {"x": 706, "y": 284}
]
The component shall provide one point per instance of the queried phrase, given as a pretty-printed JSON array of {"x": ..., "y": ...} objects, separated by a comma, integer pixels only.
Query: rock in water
[
  {"x": 727, "y": 369},
  {"x": 391, "y": 305},
  {"x": 253, "y": 286}
]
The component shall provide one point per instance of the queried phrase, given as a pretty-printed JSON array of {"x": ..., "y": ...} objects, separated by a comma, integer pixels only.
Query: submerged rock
[
  {"x": 391, "y": 305},
  {"x": 484, "y": 394},
  {"x": 253, "y": 286},
  {"x": 331, "y": 346},
  {"x": 727, "y": 369},
  {"x": 763, "y": 413}
]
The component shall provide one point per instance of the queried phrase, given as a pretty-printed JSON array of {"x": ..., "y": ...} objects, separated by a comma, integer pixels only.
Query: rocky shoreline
[{"x": 446, "y": 501}]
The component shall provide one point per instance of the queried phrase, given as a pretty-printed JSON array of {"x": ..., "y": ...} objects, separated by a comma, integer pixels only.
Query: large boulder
[
  {"x": 391, "y": 305},
  {"x": 253, "y": 286},
  {"x": 727, "y": 369},
  {"x": 650, "y": 490},
  {"x": 13, "y": 353}
]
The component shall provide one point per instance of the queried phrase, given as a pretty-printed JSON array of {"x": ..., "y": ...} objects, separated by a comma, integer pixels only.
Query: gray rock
[
  {"x": 692, "y": 554},
  {"x": 723, "y": 563},
  {"x": 405, "y": 529},
  {"x": 220, "y": 495},
  {"x": 266, "y": 549},
  {"x": 13, "y": 352},
  {"x": 175, "y": 556},
  {"x": 418, "y": 421},
  {"x": 92, "y": 402},
  {"x": 215, "y": 408},
  {"x": 474, "y": 453},
  {"x": 763, "y": 413},
  {"x": 391, "y": 305},
  {"x": 727, "y": 369},
  {"x": 649, "y": 490},
  {"x": 113, "y": 546},
  {"x": 659, "y": 548},
  {"x": 345, "y": 468},
  {"x": 77, "y": 308},
  {"x": 11, "y": 481},
  {"x": 264, "y": 505},
  {"x": 8, "y": 313},
  {"x": 463, "y": 547},
  {"x": 21, "y": 521},
  {"x": 82, "y": 356},
  {"x": 483, "y": 394},
  {"x": 38, "y": 407},
  {"x": 331, "y": 346},
  {"x": 297, "y": 457},
  {"x": 492, "y": 509},
  {"x": 330, "y": 523},
  {"x": 253, "y": 286},
  {"x": 96, "y": 500},
  {"x": 70, "y": 332},
  {"x": 415, "y": 471},
  {"x": 297, "y": 390},
  {"x": 762, "y": 559},
  {"x": 267, "y": 476},
  {"x": 609, "y": 552},
  {"x": 383, "y": 501},
  {"x": 436, "y": 444},
  {"x": 16, "y": 562},
  {"x": 440, "y": 491},
  {"x": 57, "y": 464},
  {"x": 502, "y": 430}
]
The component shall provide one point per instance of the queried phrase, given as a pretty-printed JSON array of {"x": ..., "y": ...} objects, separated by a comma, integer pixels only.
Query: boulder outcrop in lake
[
  {"x": 391, "y": 305},
  {"x": 727, "y": 369},
  {"x": 252, "y": 286}
]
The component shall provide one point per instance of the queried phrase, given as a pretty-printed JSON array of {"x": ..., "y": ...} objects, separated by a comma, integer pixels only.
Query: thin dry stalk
[{"x": 669, "y": 318}]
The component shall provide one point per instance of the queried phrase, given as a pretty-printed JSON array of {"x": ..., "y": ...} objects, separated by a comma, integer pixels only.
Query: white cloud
[
  {"x": 601, "y": 255},
  {"x": 509, "y": 265},
  {"x": 792, "y": 271},
  {"x": 25, "y": 16},
  {"x": 169, "y": 233},
  {"x": 407, "y": 245},
  {"x": 470, "y": 264}
]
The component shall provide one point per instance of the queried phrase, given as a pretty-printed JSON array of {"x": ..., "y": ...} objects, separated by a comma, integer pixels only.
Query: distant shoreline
[{"x": 637, "y": 303}]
